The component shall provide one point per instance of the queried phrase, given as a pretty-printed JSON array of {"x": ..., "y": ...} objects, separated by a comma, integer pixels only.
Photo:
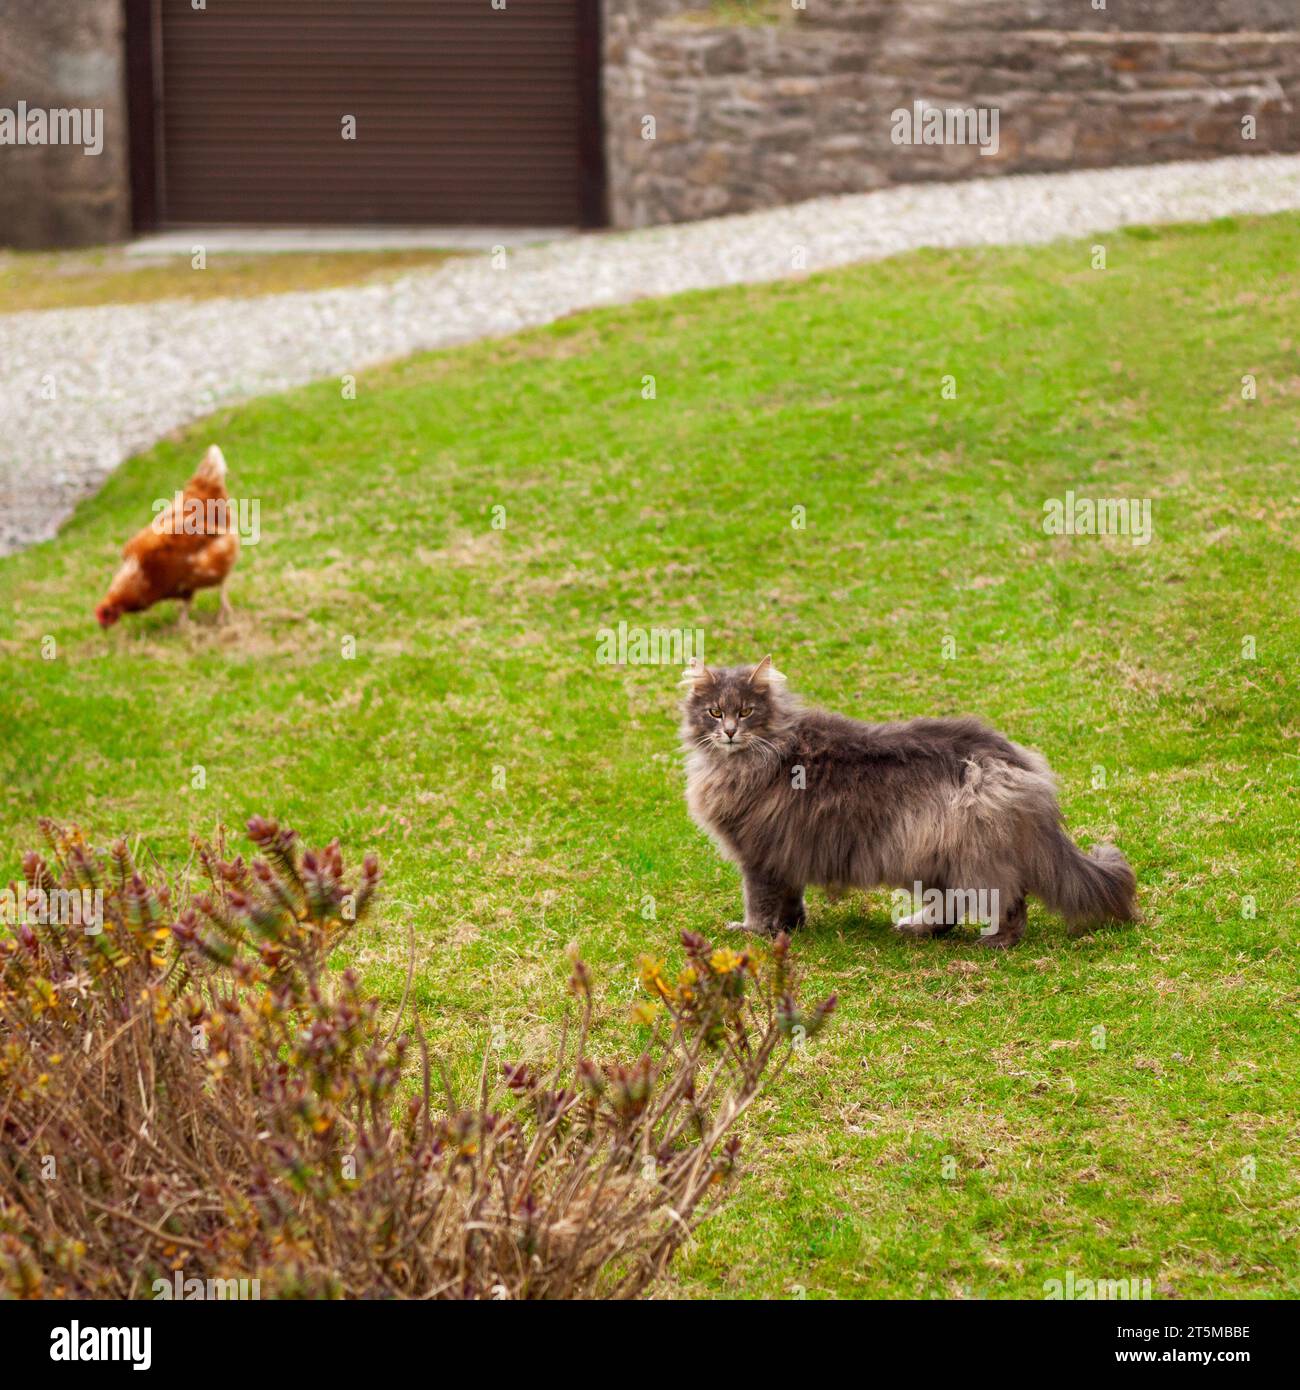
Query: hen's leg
[
  {"x": 183, "y": 619},
  {"x": 226, "y": 613}
]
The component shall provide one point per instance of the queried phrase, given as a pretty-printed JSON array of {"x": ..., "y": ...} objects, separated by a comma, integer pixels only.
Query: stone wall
[
  {"x": 786, "y": 105},
  {"x": 64, "y": 53}
]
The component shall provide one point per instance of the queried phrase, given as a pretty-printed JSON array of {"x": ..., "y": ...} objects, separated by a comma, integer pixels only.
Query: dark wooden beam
[
  {"x": 143, "y": 88},
  {"x": 591, "y": 152}
]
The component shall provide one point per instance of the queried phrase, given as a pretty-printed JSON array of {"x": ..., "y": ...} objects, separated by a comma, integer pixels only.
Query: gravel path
[{"x": 123, "y": 376}]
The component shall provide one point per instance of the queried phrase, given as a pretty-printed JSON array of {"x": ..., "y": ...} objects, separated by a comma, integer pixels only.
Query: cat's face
[{"x": 732, "y": 708}]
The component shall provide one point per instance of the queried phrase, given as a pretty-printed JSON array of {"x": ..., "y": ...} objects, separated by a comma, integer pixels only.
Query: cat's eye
[
  {"x": 745, "y": 713},
  {"x": 715, "y": 712}
]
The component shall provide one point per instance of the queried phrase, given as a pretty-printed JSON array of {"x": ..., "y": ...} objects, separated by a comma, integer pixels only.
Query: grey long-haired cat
[{"x": 797, "y": 796}]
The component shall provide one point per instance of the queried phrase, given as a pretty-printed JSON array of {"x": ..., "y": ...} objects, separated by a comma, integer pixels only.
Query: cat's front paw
[
  {"x": 753, "y": 930},
  {"x": 999, "y": 941},
  {"x": 921, "y": 925}
]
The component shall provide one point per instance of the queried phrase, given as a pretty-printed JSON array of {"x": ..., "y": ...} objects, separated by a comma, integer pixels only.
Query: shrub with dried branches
[{"x": 189, "y": 1093}]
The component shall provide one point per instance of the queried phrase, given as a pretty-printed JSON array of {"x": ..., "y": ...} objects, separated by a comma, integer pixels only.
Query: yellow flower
[
  {"x": 651, "y": 971},
  {"x": 724, "y": 960},
  {"x": 645, "y": 1012}
]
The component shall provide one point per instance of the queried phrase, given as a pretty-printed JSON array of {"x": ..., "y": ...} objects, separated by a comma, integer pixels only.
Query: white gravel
[{"x": 120, "y": 377}]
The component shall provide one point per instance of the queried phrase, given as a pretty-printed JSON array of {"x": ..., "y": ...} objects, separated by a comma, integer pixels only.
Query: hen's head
[{"x": 107, "y": 613}]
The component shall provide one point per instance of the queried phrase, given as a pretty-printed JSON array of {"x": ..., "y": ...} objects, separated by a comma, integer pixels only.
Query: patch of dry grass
[{"x": 73, "y": 279}]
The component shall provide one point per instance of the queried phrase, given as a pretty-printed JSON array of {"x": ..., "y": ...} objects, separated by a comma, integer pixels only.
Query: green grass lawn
[{"x": 971, "y": 1125}]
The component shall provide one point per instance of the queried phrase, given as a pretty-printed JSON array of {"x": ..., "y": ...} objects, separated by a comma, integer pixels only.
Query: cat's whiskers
[{"x": 766, "y": 746}]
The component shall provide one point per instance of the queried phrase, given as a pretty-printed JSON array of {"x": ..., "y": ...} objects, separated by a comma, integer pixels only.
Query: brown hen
[{"x": 187, "y": 547}]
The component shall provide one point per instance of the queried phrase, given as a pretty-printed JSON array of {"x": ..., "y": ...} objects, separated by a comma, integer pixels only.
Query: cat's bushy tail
[{"x": 1088, "y": 889}]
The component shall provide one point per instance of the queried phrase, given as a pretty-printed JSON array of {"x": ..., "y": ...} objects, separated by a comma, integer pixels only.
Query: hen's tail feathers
[
  {"x": 1088, "y": 889},
  {"x": 212, "y": 471}
]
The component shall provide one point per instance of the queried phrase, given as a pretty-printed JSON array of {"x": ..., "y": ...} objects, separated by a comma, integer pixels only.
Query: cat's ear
[
  {"x": 697, "y": 675},
  {"x": 765, "y": 674}
]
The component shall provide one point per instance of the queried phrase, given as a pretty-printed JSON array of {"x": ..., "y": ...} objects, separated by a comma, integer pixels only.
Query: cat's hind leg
[
  {"x": 1009, "y": 926},
  {"x": 793, "y": 912}
]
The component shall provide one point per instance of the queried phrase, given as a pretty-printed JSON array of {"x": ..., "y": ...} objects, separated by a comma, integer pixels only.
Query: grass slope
[{"x": 964, "y": 1129}]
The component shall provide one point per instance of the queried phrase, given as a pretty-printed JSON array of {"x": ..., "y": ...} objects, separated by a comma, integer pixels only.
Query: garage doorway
[{"x": 351, "y": 112}]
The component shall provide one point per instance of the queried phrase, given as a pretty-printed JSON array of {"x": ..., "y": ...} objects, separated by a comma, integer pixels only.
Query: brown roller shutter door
[{"x": 464, "y": 113}]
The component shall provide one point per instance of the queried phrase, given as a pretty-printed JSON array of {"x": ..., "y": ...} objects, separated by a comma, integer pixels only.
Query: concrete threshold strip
[{"x": 259, "y": 241}]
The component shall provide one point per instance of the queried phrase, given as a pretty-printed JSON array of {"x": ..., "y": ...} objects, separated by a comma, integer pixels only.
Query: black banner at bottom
[{"x": 218, "y": 1335}]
